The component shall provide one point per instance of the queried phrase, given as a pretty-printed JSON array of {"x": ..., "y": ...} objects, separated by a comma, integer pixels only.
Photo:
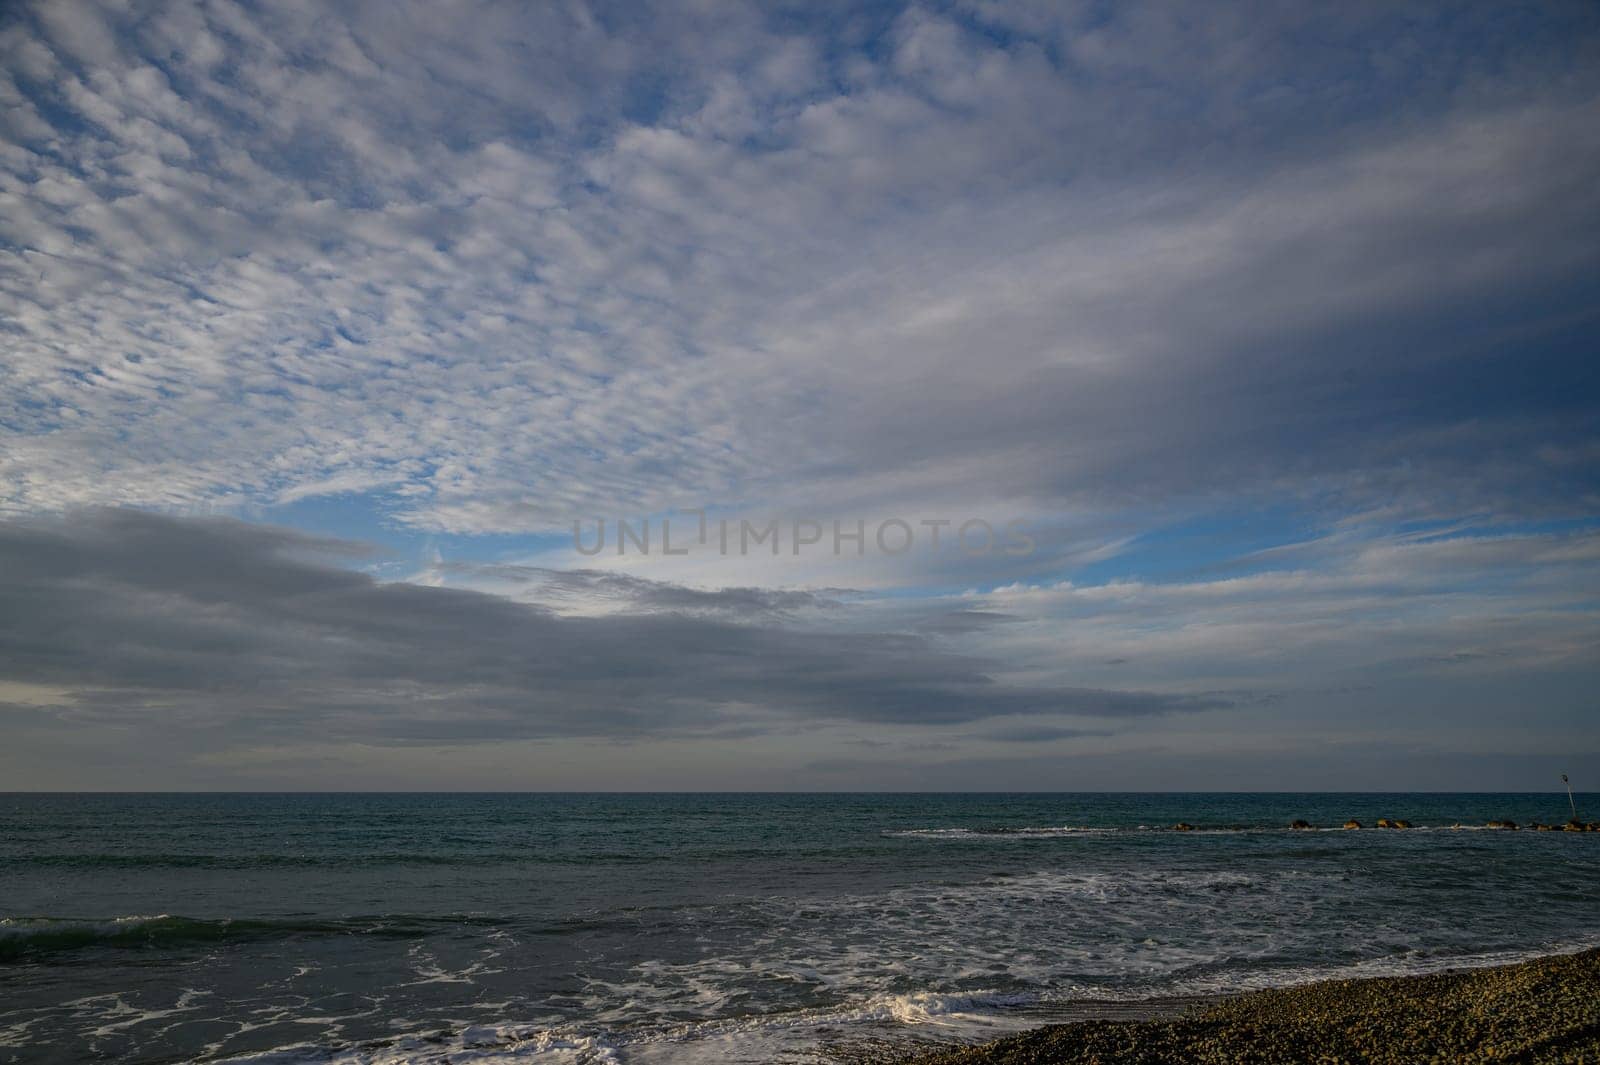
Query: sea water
[{"x": 726, "y": 928}]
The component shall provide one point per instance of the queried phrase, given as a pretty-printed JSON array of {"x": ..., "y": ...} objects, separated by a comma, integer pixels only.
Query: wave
[
  {"x": 924, "y": 1016},
  {"x": 987, "y": 833},
  {"x": 757, "y": 1038},
  {"x": 1411, "y": 963},
  {"x": 31, "y": 938},
  {"x": 265, "y": 861},
  {"x": 478, "y": 1043},
  {"x": 531, "y": 855},
  {"x": 1050, "y": 831}
]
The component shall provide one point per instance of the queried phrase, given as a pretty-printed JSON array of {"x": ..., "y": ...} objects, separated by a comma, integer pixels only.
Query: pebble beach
[{"x": 1547, "y": 1010}]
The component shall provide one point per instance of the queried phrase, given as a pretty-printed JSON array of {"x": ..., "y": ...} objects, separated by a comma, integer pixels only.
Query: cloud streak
[{"x": 146, "y": 621}]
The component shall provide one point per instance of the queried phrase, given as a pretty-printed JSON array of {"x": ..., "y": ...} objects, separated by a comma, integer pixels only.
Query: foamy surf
[
  {"x": 680, "y": 930},
  {"x": 479, "y": 1044},
  {"x": 920, "y": 1017}
]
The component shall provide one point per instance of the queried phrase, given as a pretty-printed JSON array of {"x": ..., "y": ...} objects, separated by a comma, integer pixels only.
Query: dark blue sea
[{"x": 726, "y": 928}]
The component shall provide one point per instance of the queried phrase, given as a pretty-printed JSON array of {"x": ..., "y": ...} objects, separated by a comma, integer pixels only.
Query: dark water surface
[{"x": 757, "y": 928}]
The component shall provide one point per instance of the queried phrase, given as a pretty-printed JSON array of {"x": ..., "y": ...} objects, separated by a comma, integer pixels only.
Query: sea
[{"x": 632, "y": 928}]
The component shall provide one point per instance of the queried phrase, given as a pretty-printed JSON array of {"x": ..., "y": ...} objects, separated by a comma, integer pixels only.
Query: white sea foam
[
  {"x": 953, "y": 956},
  {"x": 1003, "y": 834},
  {"x": 36, "y": 927},
  {"x": 478, "y": 1044},
  {"x": 959, "y": 960},
  {"x": 794, "y": 1036}
]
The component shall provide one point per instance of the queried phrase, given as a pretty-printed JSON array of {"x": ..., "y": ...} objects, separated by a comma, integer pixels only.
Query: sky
[{"x": 1128, "y": 396}]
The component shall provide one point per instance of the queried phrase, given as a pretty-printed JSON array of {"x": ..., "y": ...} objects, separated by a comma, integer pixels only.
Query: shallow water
[{"x": 756, "y": 928}]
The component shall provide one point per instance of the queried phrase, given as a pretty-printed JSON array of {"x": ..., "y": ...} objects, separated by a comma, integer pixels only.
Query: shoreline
[{"x": 1545, "y": 1009}]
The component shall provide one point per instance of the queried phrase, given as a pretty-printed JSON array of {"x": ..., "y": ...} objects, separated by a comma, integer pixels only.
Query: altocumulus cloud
[
  {"x": 141, "y": 620},
  {"x": 507, "y": 268}
]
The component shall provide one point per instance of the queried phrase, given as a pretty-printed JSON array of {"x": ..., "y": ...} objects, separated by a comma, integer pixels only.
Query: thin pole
[{"x": 1570, "y": 803}]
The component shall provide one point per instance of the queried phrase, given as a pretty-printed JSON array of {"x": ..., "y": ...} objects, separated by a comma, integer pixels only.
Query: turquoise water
[{"x": 689, "y": 928}]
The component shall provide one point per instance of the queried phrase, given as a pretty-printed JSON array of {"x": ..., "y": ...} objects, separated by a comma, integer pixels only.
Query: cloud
[
  {"x": 206, "y": 624},
  {"x": 1034, "y": 734},
  {"x": 1508, "y": 609},
  {"x": 507, "y": 270},
  {"x": 603, "y": 591},
  {"x": 213, "y": 650},
  {"x": 1111, "y": 272}
]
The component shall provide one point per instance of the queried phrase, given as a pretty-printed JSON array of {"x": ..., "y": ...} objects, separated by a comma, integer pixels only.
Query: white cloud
[{"x": 534, "y": 265}]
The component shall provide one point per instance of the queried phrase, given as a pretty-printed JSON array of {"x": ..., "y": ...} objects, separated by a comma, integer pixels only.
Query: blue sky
[{"x": 1273, "y": 326}]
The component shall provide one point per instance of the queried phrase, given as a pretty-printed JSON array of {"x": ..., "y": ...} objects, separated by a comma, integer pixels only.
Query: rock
[
  {"x": 1509, "y": 825},
  {"x": 1573, "y": 826},
  {"x": 1183, "y": 826},
  {"x": 1297, "y": 823},
  {"x": 1402, "y": 823},
  {"x": 1538, "y": 827},
  {"x": 1352, "y": 823},
  {"x": 1592, "y": 826}
]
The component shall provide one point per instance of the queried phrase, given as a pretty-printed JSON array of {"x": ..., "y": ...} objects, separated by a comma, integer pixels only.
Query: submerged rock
[
  {"x": 1509, "y": 825},
  {"x": 1183, "y": 826},
  {"x": 1352, "y": 823},
  {"x": 1297, "y": 823}
]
